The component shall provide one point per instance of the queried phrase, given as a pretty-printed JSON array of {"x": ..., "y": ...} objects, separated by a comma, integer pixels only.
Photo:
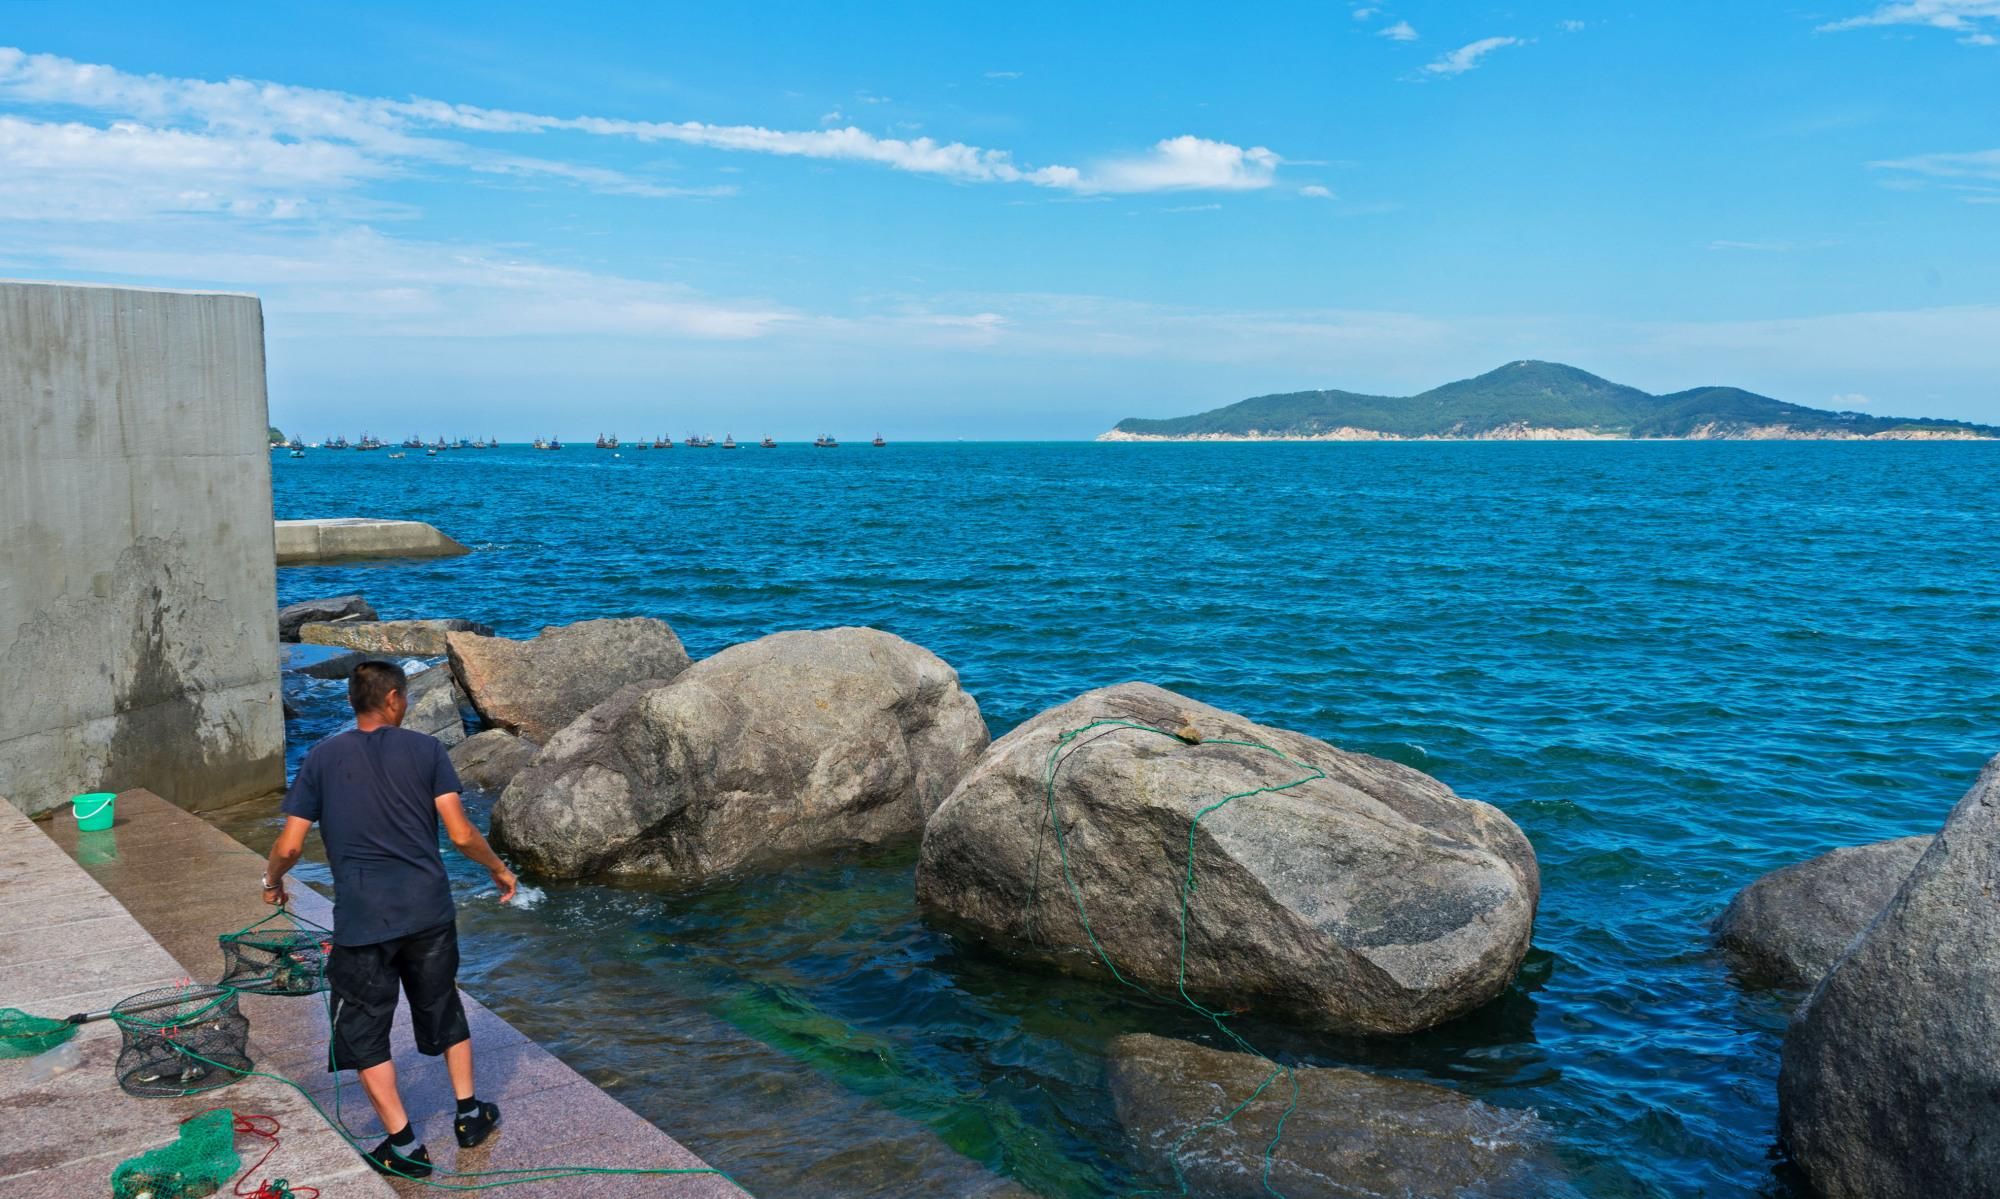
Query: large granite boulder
[
  {"x": 1889, "y": 1084},
  {"x": 1341, "y": 891},
  {"x": 434, "y": 703},
  {"x": 1351, "y": 1135},
  {"x": 771, "y": 750},
  {"x": 488, "y": 761},
  {"x": 1787, "y": 928},
  {"x": 339, "y": 607},
  {"x": 536, "y": 687},
  {"x": 417, "y": 638}
]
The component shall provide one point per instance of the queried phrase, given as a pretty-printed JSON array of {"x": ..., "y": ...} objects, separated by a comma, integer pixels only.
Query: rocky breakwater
[
  {"x": 771, "y": 750},
  {"x": 292, "y": 617},
  {"x": 412, "y": 638},
  {"x": 1790, "y": 926},
  {"x": 1338, "y": 890},
  {"x": 1208, "y": 1118},
  {"x": 538, "y": 686},
  {"x": 1889, "y": 1084}
]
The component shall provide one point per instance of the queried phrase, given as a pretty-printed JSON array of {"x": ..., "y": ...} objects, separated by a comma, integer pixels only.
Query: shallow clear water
[{"x": 1676, "y": 665}]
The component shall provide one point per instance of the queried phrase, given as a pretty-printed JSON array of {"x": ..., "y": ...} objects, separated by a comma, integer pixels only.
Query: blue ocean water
[{"x": 1675, "y": 665}]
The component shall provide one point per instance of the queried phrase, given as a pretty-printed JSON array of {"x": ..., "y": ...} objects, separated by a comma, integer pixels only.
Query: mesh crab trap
[
  {"x": 181, "y": 1041},
  {"x": 22, "y": 1035},
  {"x": 283, "y": 958}
]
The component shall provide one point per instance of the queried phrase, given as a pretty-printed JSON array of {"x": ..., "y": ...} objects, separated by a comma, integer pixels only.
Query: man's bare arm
[
  {"x": 470, "y": 842},
  {"x": 285, "y": 855}
]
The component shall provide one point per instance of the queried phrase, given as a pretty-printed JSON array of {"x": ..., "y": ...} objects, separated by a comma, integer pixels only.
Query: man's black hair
[{"x": 371, "y": 684}]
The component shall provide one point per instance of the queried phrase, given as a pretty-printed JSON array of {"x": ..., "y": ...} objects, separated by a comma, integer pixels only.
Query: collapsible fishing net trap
[
  {"x": 181, "y": 1041},
  {"x": 275, "y": 960},
  {"x": 22, "y": 1035}
]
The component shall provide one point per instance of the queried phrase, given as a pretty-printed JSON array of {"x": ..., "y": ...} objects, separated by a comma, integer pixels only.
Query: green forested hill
[{"x": 1534, "y": 395}]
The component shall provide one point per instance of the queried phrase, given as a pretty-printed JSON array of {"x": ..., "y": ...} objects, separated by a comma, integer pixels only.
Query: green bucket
[{"x": 93, "y": 810}]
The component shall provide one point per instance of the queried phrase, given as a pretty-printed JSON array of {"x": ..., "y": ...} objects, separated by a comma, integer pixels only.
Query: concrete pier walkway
[
  {"x": 186, "y": 882},
  {"x": 67, "y": 946}
]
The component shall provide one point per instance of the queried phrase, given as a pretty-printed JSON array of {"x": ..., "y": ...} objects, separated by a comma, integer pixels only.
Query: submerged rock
[
  {"x": 771, "y": 750},
  {"x": 420, "y": 638},
  {"x": 319, "y": 661},
  {"x": 434, "y": 703},
  {"x": 488, "y": 761},
  {"x": 536, "y": 687},
  {"x": 1787, "y": 928},
  {"x": 1369, "y": 900},
  {"x": 338, "y": 607},
  {"x": 1889, "y": 1084},
  {"x": 1351, "y": 1135}
]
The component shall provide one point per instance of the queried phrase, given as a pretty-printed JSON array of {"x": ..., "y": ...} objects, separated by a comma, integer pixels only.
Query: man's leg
[
  {"x": 428, "y": 965},
  {"x": 379, "y": 1084},
  {"x": 458, "y": 1061},
  {"x": 362, "y": 981}
]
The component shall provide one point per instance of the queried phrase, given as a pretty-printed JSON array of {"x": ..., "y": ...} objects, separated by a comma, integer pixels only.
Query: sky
[{"x": 1022, "y": 220}]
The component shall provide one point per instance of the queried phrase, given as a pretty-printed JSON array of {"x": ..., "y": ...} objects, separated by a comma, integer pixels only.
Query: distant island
[{"x": 1534, "y": 401}]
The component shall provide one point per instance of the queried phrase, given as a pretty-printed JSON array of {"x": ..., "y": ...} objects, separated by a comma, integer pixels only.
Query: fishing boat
[
  {"x": 442, "y": 444},
  {"x": 642, "y": 444},
  {"x": 767, "y": 444},
  {"x": 607, "y": 443},
  {"x": 729, "y": 441},
  {"x": 368, "y": 442},
  {"x": 878, "y": 443},
  {"x": 298, "y": 453},
  {"x": 397, "y": 454},
  {"x": 696, "y": 441},
  {"x": 413, "y": 443},
  {"x": 825, "y": 441},
  {"x": 662, "y": 443},
  {"x": 555, "y": 443},
  {"x": 335, "y": 443},
  {"x": 431, "y": 453}
]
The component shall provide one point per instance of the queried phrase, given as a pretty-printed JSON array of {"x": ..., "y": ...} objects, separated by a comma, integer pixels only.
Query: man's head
[{"x": 380, "y": 690}]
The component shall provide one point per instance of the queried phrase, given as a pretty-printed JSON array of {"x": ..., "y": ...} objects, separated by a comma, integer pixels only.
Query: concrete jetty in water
[{"x": 344, "y": 538}]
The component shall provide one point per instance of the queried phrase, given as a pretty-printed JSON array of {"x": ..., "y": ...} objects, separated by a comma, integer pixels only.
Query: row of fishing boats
[{"x": 694, "y": 441}]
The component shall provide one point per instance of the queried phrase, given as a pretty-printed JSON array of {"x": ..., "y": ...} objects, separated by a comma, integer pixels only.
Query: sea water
[{"x": 1675, "y": 665}]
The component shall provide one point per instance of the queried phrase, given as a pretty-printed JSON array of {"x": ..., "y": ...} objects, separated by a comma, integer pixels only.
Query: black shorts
[{"x": 363, "y": 980}]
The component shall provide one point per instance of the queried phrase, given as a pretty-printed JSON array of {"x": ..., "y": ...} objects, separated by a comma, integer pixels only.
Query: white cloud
[
  {"x": 1003, "y": 74},
  {"x": 1570, "y": 26},
  {"x": 1316, "y": 192},
  {"x": 1969, "y": 17},
  {"x": 1194, "y": 208},
  {"x": 379, "y": 131},
  {"x": 1363, "y": 14},
  {"x": 1184, "y": 164},
  {"x": 1466, "y": 57},
  {"x": 1977, "y": 164},
  {"x": 1401, "y": 31}
]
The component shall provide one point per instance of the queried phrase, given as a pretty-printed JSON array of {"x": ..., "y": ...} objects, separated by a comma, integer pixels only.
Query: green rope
[
  {"x": 500, "y": 1178},
  {"x": 1187, "y": 890}
]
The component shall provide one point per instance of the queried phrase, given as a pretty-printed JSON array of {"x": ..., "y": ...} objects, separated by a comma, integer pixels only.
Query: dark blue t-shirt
[{"x": 374, "y": 795}]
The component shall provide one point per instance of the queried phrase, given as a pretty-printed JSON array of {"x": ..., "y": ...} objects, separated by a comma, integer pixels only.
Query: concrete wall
[{"x": 138, "y": 635}]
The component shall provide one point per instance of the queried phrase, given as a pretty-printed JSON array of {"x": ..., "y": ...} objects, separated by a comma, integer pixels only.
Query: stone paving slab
[
  {"x": 186, "y": 882},
  {"x": 64, "y": 1135}
]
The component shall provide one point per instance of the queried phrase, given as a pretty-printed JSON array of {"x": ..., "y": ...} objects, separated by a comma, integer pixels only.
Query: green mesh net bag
[
  {"x": 200, "y": 1162},
  {"x": 275, "y": 960},
  {"x": 181, "y": 1041},
  {"x": 22, "y": 1035}
]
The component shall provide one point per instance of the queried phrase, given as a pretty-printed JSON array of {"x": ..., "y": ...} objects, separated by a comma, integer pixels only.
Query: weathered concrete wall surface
[{"x": 138, "y": 645}]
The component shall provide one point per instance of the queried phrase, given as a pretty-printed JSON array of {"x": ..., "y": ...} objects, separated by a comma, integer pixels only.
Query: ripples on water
[{"x": 1676, "y": 665}]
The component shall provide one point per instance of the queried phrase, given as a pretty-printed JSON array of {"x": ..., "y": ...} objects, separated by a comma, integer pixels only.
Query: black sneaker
[
  {"x": 414, "y": 1162},
  {"x": 475, "y": 1128}
]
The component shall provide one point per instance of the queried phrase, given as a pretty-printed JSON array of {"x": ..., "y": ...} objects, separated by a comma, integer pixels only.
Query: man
[{"x": 378, "y": 792}]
